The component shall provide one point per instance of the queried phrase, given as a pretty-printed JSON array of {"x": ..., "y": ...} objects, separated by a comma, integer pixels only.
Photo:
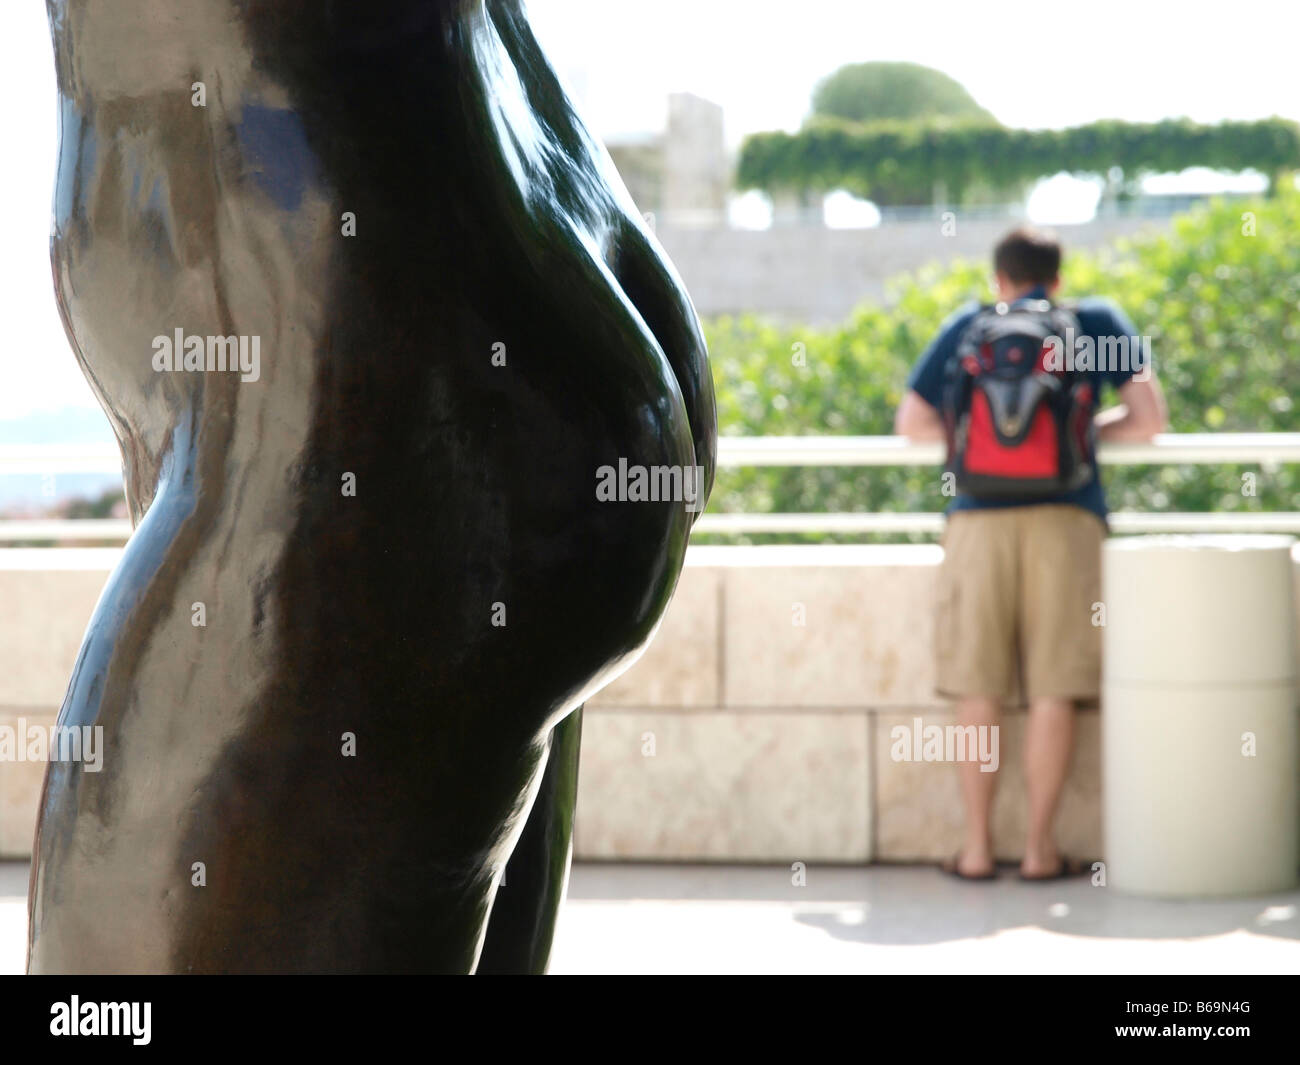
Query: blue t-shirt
[{"x": 1098, "y": 319}]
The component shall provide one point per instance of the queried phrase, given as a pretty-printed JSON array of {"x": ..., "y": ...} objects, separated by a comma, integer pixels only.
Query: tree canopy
[{"x": 869, "y": 92}]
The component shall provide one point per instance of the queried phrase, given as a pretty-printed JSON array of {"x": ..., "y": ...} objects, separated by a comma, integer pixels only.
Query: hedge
[{"x": 901, "y": 162}]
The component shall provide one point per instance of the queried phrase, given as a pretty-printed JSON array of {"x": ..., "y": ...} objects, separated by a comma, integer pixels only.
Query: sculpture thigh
[
  {"x": 373, "y": 574},
  {"x": 528, "y": 900}
]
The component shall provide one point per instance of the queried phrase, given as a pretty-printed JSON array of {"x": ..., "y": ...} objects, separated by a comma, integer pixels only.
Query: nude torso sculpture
[{"x": 390, "y": 531}]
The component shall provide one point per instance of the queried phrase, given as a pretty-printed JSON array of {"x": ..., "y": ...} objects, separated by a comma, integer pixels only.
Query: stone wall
[
  {"x": 769, "y": 695},
  {"x": 741, "y": 734},
  {"x": 817, "y": 275},
  {"x": 47, "y": 598}
]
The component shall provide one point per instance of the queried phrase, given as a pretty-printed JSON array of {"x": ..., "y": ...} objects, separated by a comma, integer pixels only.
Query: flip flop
[
  {"x": 1068, "y": 869},
  {"x": 953, "y": 868}
]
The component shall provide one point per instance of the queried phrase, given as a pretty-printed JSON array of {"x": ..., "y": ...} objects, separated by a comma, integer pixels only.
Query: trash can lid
[{"x": 1203, "y": 542}]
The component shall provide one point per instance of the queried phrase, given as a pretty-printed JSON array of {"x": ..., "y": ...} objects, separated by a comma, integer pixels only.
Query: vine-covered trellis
[{"x": 894, "y": 163}]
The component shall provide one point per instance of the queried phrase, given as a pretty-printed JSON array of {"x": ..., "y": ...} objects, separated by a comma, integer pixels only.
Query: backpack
[{"x": 1019, "y": 425}]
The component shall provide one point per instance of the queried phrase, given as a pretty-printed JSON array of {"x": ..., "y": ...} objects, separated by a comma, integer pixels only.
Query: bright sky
[
  {"x": 1047, "y": 63},
  {"x": 1052, "y": 63}
]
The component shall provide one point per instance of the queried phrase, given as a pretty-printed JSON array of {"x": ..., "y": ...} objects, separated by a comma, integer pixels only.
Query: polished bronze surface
[{"x": 371, "y": 574}]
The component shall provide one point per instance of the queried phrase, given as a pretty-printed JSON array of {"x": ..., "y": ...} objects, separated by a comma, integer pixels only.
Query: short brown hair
[{"x": 1028, "y": 256}]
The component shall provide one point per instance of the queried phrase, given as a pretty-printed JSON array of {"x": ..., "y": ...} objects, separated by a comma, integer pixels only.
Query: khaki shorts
[{"x": 1017, "y": 596}]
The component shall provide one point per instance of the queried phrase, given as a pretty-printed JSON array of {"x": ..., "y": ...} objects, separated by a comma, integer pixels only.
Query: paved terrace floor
[{"x": 877, "y": 919}]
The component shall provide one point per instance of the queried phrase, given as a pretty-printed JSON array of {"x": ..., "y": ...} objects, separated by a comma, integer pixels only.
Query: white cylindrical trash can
[{"x": 1200, "y": 746}]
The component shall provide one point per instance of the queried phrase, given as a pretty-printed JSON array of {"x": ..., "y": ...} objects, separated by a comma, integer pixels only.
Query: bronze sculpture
[{"x": 367, "y": 308}]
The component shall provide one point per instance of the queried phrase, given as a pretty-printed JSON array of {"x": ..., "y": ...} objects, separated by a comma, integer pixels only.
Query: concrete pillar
[{"x": 1200, "y": 748}]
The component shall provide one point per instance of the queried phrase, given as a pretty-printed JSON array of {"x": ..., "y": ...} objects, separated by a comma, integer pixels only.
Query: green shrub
[{"x": 1222, "y": 310}]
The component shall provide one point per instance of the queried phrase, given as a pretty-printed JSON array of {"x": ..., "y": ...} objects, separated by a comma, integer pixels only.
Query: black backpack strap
[{"x": 968, "y": 341}]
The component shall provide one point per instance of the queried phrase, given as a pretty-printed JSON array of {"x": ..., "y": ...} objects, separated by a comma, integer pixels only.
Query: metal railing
[
  {"x": 1267, "y": 450},
  {"x": 1168, "y": 449}
]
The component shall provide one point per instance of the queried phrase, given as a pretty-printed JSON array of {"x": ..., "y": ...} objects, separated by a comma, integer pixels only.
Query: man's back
[
  {"x": 1021, "y": 575},
  {"x": 1104, "y": 330}
]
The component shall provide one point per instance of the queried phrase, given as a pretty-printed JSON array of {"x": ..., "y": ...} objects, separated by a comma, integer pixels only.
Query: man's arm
[
  {"x": 918, "y": 416},
  {"x": 917, "y": 420},
  {"x": 1140, "y": 415},
  {"x": 1141, "y": 412}
]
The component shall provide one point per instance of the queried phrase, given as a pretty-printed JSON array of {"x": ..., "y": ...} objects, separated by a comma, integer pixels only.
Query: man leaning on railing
[{"x": 1014, "y": 390}]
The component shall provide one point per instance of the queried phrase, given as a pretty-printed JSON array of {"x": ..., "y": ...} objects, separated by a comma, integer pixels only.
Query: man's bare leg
[
  {"x": 1049, "y": 741},
  {"x": 977, "y": 788}
]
